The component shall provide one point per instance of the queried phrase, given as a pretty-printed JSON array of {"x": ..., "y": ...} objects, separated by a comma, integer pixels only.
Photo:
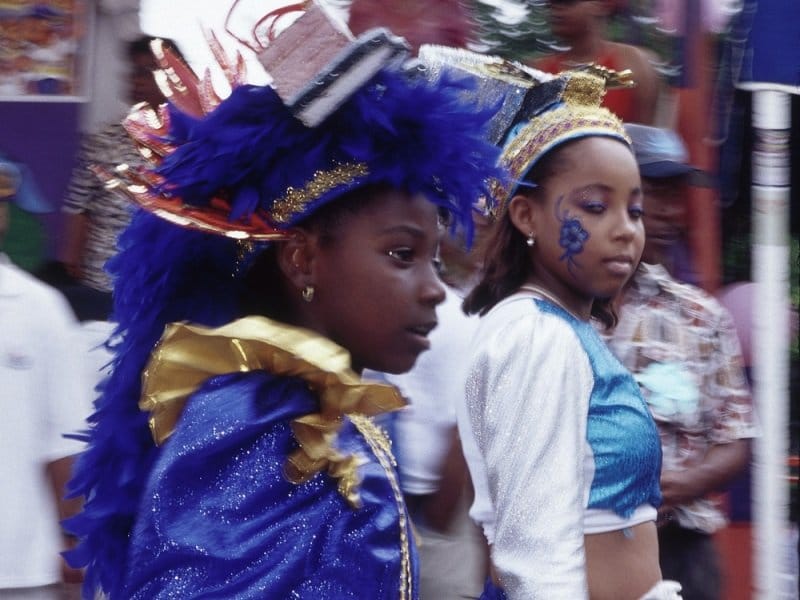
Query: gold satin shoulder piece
[{"x": 187, "y": 355}]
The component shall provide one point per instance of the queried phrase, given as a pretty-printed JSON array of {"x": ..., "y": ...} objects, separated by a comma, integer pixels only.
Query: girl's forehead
[{"x": 394, "y": 209}]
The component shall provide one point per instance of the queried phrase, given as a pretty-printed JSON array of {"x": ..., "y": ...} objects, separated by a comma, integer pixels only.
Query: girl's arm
[{"x": 528, "y": 400}]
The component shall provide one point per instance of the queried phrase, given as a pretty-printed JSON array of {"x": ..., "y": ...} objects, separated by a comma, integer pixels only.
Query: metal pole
[{"x": 771, "y": 176}]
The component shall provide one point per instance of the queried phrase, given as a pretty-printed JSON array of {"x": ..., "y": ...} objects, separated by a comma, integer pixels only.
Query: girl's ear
[
  {"x": 296, "y": 258},
  {"x": 523, "y": 212}
]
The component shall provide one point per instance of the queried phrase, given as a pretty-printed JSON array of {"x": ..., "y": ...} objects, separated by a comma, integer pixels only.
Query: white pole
[{"x": 771, "y": 176}]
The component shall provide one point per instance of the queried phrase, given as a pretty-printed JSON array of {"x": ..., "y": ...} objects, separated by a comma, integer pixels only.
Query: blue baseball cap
[{"x": 659, "y": 152}]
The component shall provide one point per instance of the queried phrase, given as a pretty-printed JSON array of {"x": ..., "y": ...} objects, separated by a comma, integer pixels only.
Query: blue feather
[{"x": 163, "y": 274}]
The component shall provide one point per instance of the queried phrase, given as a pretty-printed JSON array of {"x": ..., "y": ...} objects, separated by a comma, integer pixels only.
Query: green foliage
[
  {"x": 519, "y": 30},
  {"x": 513, "y": 29}
]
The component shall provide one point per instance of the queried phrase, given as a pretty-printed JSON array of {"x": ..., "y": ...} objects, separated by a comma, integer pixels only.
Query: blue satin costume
[{"x": 219, "y": 517}]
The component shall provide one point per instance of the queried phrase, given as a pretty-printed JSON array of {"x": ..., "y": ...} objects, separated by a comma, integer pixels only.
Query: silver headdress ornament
[{"x": 506, "y": 86}]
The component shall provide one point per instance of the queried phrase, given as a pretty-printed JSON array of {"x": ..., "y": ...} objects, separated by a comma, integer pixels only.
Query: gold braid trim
[
  {"x": 382, "y": 448},
  {"x": 295, "y": 201}
]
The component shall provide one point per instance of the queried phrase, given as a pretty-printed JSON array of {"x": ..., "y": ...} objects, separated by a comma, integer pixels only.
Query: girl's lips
[
  {"x": 418, "y": 341},
  {"x": 419, "y": 335},
  {"x": 620, "y": 265},
  {"x": 423, "y": 329}
]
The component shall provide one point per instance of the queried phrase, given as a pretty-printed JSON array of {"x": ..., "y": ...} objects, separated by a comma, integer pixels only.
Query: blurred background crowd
[{"x": 86, "y": 61}]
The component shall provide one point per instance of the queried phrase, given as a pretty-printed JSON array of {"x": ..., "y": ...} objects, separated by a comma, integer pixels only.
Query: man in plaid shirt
[{"x": 681, "y": 345}]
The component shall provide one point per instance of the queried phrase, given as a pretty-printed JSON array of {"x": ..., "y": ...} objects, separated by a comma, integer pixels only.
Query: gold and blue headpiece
[
  {"x": 534, "y": 111},
  {"x": 571, "y": 111}
]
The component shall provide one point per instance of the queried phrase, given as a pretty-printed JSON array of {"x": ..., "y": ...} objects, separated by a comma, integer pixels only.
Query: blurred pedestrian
[
  {"x": 680, "y": 343},
  {"x": 95, "y": 215},
  {"x": 44, "y": 394},
  {"x": 25, "y": 243},
  {"x": 581, "y": 25}
]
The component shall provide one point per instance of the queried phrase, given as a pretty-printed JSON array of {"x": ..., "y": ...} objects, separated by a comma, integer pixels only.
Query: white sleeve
[
  {"x": 481, "y": 511},
  {"x": 528, "y": 394}
]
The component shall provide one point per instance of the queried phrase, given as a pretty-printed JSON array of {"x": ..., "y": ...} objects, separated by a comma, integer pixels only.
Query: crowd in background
[{"x": 682, "y": 331}]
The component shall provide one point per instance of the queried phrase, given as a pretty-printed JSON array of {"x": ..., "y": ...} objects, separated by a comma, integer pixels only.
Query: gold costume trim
[
  {"x": 382, "y": 448},
  {"x": 295, "y": 200},
  {"x": 188, "y": 355}
]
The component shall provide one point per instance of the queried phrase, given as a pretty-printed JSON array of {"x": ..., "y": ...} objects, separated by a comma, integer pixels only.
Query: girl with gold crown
[
  {"x": 564, "y": 455},
  {"x": 288, "y": 240}
]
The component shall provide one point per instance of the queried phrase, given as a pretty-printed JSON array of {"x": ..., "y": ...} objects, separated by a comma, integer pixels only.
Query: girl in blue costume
[
  {"x": 562, "y": 449},
  {"x": 231, "y": 454}
]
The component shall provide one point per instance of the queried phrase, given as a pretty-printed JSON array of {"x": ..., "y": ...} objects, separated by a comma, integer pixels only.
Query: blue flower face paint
[{"x": 572, "y": 236}]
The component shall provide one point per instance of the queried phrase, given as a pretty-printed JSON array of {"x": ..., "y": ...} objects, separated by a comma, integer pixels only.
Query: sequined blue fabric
[
  {"x": 620, "y": 431},
  {"x": 492, "y": 592},
  {"x": 220, "y": 520}
]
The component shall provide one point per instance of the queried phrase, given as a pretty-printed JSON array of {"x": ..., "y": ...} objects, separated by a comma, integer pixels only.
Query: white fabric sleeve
[
  {"x": 528, "y": 395},
  {"x": 481, "y": 511}
]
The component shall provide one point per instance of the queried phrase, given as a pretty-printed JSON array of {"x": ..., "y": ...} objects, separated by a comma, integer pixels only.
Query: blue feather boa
[{"x": 163, "y": 274}]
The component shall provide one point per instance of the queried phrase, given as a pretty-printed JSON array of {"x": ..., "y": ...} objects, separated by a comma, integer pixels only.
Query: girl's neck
[{"x": 578, "y": 306}]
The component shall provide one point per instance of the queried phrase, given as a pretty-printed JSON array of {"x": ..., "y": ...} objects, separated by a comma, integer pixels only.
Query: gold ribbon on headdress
[{"x": 188, "y": 355}]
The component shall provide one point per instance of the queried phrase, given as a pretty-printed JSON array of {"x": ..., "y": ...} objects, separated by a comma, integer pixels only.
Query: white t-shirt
[
  {"x": 44, "y": 394},
  {"x": 434, "y": 387}
]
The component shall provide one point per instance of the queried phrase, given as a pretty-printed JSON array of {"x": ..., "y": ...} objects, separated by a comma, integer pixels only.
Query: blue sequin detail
[
  {"x": 620, "y": 431},
  {"x": 219, "y": 520}
]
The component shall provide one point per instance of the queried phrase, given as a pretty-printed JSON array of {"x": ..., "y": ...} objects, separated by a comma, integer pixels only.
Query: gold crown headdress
[
  {"x": 533, "y": 111},
  {"x": 572, "y": 111}
]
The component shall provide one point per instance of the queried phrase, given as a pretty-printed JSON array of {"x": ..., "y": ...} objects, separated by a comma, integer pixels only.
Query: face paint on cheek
[{"x": 572, "y": 236}]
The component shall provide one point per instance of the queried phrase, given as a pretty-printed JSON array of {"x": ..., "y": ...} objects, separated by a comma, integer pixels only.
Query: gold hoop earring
[
  {"x": 531, "y": 240},
  {"x": 308, "y": 293}
]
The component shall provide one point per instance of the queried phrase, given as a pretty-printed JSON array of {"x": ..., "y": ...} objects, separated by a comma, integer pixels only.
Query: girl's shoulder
[{"x": 526, "y": 319}]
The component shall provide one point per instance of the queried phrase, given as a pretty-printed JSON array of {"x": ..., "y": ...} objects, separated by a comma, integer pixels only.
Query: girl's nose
[{"x": 432, "y": 289}]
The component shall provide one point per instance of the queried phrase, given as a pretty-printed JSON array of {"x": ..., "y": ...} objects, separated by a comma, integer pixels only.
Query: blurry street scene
[{"x": 720, "y": 76}]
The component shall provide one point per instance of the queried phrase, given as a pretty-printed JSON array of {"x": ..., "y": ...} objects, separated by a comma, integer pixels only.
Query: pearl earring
[
  {"x": 308, "y": 293},
  {"x": 531, "y": 240}
]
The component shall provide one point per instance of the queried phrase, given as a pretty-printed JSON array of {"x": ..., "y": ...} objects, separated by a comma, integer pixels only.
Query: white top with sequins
[{"x": 559, "y": 444}]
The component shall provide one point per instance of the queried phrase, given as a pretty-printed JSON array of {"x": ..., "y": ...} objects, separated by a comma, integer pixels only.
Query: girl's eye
[
  {"x": 405, "y": 255},
  {"x": 595, "y": 207},
  {"x": 636, "y": 212}
]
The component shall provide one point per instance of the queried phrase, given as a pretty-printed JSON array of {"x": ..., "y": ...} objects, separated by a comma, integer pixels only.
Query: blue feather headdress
[
  {"x": 244, "y": 168},
  {"x": 251, "y": 167}
]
